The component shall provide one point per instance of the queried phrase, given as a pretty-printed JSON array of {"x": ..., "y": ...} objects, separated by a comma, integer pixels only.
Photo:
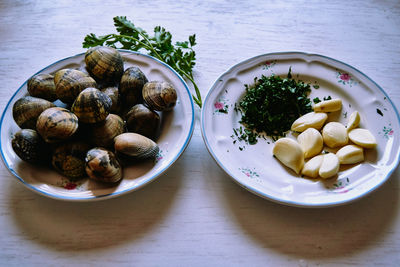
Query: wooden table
[{"x": 195, "y": 215}]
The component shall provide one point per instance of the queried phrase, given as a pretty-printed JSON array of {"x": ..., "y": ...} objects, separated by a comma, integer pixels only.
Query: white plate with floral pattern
[
  {"x": 253, "y": 166},
  {"x": 176, "y": 131}
]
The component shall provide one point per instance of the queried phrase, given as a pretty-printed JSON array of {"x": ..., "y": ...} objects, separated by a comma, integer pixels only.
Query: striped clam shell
[
  {"x": 131, "y": 86},
  {"x": 104, "y": 64},
  {"x": 56, "y": 124},
  {"x": 142, "y": 120},
  {"x": 42, "y": 86},
  {"x": 113, "y": 93},
  {"x": 29, "y": 146},
  {"x": 69, "y": 159},
  {"x": 70, "y": 82},
  {"x": 102, "y": 165},
  {"x": 136, "y": 146},
  {"x": 27, "y": 109},
  {"x": 159, "y": 96},
  {"x": 103, "y": 134},
  {"x": 91, "y": 106}
]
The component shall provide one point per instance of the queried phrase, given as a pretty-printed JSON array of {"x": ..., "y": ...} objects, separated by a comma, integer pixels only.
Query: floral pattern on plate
[
  {"x": 387, "y": 131},
  {"x": 340, "y": 186},
  {"x": 221, "y": 106},
  {"x": 249, "y": 172},
  {"x": 268, "y": 65},
  {"x": 345, "y": 78}
]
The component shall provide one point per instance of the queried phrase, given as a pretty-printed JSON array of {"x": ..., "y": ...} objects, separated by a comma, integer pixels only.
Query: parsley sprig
[{"x": 180, "y": 56}]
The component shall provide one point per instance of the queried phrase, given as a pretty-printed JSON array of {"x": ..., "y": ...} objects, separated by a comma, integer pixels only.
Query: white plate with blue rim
[
  {"x": 254, "y": 167},
  {"x": 175, "y": 134}
]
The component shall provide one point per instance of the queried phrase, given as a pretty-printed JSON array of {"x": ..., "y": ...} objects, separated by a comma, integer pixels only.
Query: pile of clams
[{"x": 89, "y": 122}]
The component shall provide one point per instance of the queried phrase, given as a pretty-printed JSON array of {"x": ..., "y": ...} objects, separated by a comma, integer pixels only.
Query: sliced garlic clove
[
  {"x": 354, "y": 121},
  {"x": 309, "y": 120},
  {"x": 289, "y": 152},
  {"x": 362, "y": 137},
  {"x": 311, "y": 167},
  {"x": 311, "y": 142},
  {"x": 329, "y": 166},
  {"x": 334, "y": 134},
  {"x": 328, "y": 105},
  {"x": 350, "y": 154}
]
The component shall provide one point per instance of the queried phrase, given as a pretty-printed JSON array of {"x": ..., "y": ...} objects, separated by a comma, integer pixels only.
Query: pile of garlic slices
[{"x": 311, "y": 141}]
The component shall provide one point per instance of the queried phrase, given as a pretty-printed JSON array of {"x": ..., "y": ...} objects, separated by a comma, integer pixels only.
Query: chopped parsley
[
  {"x": 270, "y": 107},
  {"x": 316, "y": 100}
]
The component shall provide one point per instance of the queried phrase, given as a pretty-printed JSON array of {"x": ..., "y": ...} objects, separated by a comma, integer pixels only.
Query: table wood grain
[{"x": 194, "y": 214}]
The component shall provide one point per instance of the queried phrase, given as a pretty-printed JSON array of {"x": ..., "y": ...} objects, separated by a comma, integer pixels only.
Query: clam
[
  {"x": 27, "y": 109},
  {"x": 29, "y": 146},
  {"x": 69, "y": 83},
  {"x": 136, "y": 146},
  {"x": 102, "y": 165},
  {"x": 103, "y": 134},
  {"x": 104, "y": 64},
  {"x": 42, "y": 86},
  {"x": 113, "y": 93},
  {"x": 69, "y": 159},
  {"x": 131, "y": 86},
  {"x": 91, "y": 106},
  {"x": 142, "y": 120},
  {"x": 56, "y": 124},
  {"x": 159, "y": 95}
]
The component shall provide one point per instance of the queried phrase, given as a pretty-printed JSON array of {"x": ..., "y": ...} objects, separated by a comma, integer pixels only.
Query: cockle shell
[
  {"x": 42, "y": 86},
  {"x": 70, "y": 82},
  {"x": 159, "y": 95},
  {"x": 104, "y": 64},
  {"x": 102, "y": 165},
  {"x": 91, "y": 106},
  {"x": 27, "y": 109},
  {"x": 56, "y": 124},
  {"x": 136, "y": 146}
]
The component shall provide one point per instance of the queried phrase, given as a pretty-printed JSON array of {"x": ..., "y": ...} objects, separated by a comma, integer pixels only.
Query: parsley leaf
[{"x": 180, "y": 56}]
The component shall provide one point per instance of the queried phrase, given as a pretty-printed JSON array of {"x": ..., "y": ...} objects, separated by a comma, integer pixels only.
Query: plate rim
[
  {"x": 300, "y": 204},
  {"x": 113, "y": 194}
]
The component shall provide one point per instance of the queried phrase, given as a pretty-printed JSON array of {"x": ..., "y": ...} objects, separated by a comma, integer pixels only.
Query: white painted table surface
[{"x": 195, "y": 215}]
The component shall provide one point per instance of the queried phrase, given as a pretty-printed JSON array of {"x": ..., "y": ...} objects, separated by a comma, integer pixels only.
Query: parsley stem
[
  {"x": 196, "y": 99},
  {"x": 180, "y": 57},
  {"x": 151, "y": 46},
  {"x": 196, "y": 88},
  {"x": 148, "y": 46}
]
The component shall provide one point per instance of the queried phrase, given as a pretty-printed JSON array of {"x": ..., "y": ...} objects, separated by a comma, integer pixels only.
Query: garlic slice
[
  {"x": 309, "y": 120},
  {"x": 334, "y": 134},
  {"x": 354, "y": 121},
  {"x": 362, "y": 137},
  {"x": 311, "y": 142},
  {"x": 311, "y": 167},
  {"x": 328, "y": 105},
  {"x": 350, "y": 154},
  {"x": 329, "y": 166},
  {"x": 289, "y": 152}
]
